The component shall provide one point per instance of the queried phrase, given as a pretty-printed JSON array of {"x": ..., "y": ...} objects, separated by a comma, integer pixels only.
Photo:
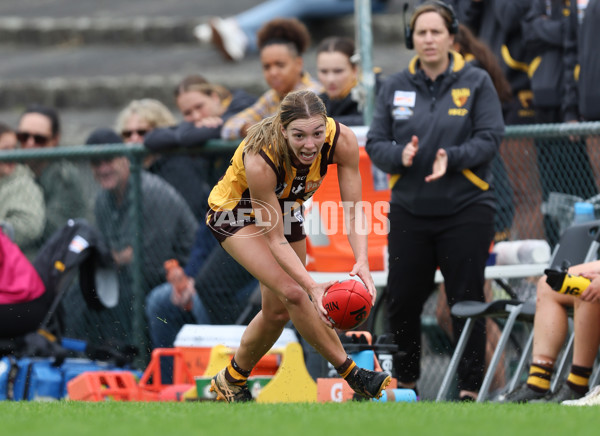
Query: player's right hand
[{"x": 316, "y": 297}]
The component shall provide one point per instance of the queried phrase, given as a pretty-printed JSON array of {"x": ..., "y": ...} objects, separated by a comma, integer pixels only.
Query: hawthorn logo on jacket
[{"x": 459, "y": 97}]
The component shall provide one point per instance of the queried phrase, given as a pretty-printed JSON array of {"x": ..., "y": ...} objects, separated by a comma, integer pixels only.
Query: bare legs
[
  {"x": 551, "y": 326},
  {"x": 282, "y": 299}
]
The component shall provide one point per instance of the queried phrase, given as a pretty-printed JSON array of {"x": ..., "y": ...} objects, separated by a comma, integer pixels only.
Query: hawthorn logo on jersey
[{"x": 460, "y": 96}]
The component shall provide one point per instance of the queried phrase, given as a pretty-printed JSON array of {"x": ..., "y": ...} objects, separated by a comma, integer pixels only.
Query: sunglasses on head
[
  {"x": 23, "y": 137},
  {"x": 128, "y": 133}
]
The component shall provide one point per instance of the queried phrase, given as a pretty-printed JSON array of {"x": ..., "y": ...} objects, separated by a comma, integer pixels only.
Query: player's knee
[
  {"x": 293, "y": 296},
  {"x": 276, "y": 316}
]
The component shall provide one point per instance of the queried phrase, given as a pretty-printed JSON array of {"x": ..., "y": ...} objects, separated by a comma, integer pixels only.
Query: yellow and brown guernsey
[{"x": 293, "y": 187}]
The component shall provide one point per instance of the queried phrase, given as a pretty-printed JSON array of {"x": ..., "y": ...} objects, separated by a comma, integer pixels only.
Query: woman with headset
[{"x": 437, "y": 126}]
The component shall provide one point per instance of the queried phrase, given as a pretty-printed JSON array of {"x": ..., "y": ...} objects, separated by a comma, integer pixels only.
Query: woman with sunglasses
[
  {"x": 135, "y": 122},
  {"x": 60, "y": 180}
]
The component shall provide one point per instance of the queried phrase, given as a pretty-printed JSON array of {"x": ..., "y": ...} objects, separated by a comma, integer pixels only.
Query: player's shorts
[{"x": 221, "y": 227}]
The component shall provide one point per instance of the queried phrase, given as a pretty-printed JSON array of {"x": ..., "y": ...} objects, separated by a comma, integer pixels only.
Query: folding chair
[{"x": 578, "y": 244}]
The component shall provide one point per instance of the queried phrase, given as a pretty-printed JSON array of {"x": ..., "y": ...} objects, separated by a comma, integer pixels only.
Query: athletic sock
[
  {"x": 345, "y": 368},
  {"x": 236, "y": 375},
  {"x": 579, "y": 378},
  {"x": 539, "y": 377}
]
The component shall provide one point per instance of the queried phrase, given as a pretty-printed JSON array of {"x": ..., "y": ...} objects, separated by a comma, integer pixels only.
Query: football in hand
[{"x": 348, "y": 304}]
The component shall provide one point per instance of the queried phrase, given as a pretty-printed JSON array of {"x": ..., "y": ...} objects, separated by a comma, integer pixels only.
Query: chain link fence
[{"x": 539, "y": 175}]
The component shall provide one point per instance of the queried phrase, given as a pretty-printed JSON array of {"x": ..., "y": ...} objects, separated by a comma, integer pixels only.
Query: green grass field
[{"x": 62, "y": 418}]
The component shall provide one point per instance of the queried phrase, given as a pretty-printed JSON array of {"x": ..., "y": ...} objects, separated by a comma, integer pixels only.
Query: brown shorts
[{"x": 223, "y": 228}]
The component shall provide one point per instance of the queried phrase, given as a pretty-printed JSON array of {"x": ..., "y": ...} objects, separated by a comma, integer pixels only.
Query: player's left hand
[{"x": 362, "y": 271}]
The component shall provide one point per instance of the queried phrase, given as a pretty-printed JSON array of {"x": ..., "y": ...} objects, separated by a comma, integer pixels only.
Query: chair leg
[
  {"x": 521, "y": 365},
  {"x": 458, "y": 352},
  {"x": 562, "y": 364},
  {"x": 489, "y": 375},
  {"x": 595, "y": 378}
]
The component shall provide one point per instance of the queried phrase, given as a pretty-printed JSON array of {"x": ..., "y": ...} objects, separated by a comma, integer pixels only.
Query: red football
[{"x": 348, "y": 304}]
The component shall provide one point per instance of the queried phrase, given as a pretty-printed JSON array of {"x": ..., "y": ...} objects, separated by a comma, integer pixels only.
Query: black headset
[{"x": 408, "y": 31}]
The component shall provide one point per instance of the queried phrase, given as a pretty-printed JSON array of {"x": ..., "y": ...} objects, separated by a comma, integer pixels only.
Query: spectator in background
[
  {"x": 60, "y": 180},
  {"x": 168, "y": 228},
  {"x": 582, "y": 69},
  {"x": 338, "y": 73},
  {"x": 217, "y": 292},
  {"x": 282, "y": 43},
  {"x": 21, "y": 199},
  {"x": 187, "y": 176},
  {"x": 544, "y": 33},
  {"x": 498, "y": 24},
  {"x": 140, "y": 117},
  {"x": 436, "y": 129},
  {"x": 236, "y": 36},
  {"x": 205, "y": 107}
]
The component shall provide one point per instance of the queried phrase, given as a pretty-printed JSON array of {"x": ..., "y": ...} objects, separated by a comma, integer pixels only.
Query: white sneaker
[
  {"x": 203, "y": 33},
  {"x": 229, "y": 38},
  {"x": 592, "y": 398}
]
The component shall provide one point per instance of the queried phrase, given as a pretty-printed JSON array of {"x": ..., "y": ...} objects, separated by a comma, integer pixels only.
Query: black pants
[
  {"x": 22, "y": 318},
  {"x": 459, "y": 245}
]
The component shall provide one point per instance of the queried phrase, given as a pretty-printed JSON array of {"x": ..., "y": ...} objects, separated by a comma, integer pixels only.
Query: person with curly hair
[{"x": 282, "y": 43}]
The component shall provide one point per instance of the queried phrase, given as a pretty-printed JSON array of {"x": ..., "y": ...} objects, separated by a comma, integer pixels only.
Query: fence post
[
  {"x": 364, "y": 39},
  {"x": 138, "y": 323}
]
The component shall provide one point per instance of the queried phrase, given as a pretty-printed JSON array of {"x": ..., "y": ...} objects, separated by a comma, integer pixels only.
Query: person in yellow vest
[{"x": 255, "y": 212}]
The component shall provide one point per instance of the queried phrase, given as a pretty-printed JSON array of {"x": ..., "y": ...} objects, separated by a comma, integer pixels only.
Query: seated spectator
[
  {"x": 168, "y": 226},
  {"x": 217, "y": 292},
  {"x": 24, "y": 301},
  {"x": 550, "y": 330},
  {"x": 187, "y": 176},
  {"x": 282, "y": 42},
  {"x": 205, "y": 107},
  {"x": 138, "y": 118},
  {"x": 21, "y": 199},
  {"x": 60, "y": 180},
  {"x": 338, "y": 73}
]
